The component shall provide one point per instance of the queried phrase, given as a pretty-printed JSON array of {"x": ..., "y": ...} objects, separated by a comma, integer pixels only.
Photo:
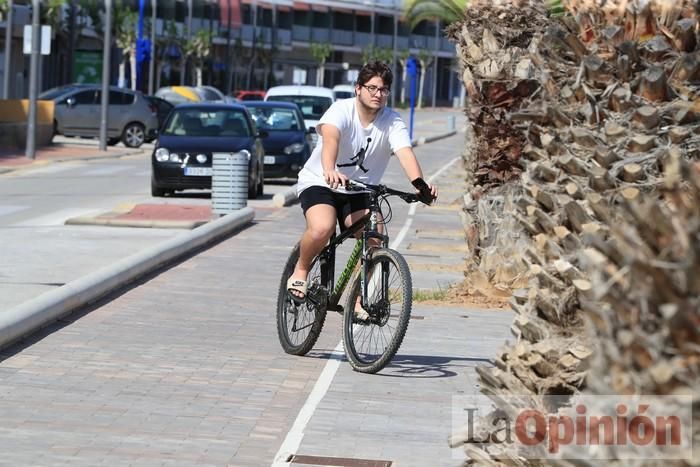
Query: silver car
[{"x": 132, "y": 118}]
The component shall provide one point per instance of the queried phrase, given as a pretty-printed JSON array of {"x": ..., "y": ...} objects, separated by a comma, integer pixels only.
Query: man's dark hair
[{"x": 375, "y": 68}]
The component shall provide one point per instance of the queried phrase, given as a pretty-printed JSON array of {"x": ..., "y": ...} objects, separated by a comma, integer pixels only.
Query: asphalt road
[{"x": 41, "y": 253}]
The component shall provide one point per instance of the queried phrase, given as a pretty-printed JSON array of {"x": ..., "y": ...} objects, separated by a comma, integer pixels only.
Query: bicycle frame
[{"x": 368, "y": 223}]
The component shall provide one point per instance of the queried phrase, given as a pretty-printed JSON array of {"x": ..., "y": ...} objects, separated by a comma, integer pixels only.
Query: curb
[
  {"x": 289, "y": 197},
  {"x": 126, "y": 152},
  {"x": 285, "y": 198},
  {"x": 28, "y": 317}
]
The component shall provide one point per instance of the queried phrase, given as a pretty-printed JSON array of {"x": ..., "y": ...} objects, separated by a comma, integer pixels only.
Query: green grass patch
[{"x": 425, "y": 295}]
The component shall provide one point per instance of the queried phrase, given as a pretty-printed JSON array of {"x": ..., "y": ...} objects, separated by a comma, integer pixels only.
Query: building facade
[{"x": 256, "y": 44}]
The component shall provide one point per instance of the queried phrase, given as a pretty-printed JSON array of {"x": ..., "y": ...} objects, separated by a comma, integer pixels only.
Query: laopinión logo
[{"x": 593, "y": 427}]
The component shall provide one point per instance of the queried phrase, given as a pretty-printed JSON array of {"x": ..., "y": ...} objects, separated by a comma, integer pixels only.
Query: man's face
[{"x": 373, "y": 93}]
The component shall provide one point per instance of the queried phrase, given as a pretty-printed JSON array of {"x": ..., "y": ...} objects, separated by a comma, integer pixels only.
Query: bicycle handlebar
[{"x": 424, "y": 196}]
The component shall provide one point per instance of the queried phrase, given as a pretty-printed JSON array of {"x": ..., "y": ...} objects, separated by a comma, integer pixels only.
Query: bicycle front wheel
[
  {"x": 298, "y": 325},
  {"x": 373, "y": 336}
]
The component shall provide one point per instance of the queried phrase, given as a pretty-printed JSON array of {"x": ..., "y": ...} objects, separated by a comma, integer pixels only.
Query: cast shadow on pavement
[{"x": 416, "y": 366}]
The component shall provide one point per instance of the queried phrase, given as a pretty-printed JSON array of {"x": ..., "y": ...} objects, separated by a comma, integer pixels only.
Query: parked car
[
  {"x": 164, "y": 107},
  {"x": 180, "y": 94},
  {"x": 313, "y": 101},
  {"x": 53, "y": 93},
  {"x": 212, "y": 94},
  {"x": 343, "y": 91},
  {"x": 288, "y": 142},
  {"x": 250, "y": 95},
  {"x": 132, "y": 118},
  {"x": 182, "y": 158}
]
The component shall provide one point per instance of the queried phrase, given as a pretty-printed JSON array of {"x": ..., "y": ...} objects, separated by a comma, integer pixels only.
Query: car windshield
[
  {"x": 275, "y": 118},
  {"x": 342, "y": 94},
  {"x": 53, "y": 93},
  {"x": 207, "y": 122},
  {"x": 312, "y": 107}
]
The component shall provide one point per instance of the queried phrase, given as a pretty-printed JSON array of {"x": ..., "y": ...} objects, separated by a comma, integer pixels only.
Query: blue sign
[{"x": 412, "y": 71}]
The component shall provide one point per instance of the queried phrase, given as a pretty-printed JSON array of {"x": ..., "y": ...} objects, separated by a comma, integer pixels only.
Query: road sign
[
  {"x": 87, "y": 66},
  {"x": 45, "y": 40}
]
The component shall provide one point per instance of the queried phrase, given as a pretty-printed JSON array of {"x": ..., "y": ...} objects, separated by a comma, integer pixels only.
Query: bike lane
[{"x": 185, "y": 368}]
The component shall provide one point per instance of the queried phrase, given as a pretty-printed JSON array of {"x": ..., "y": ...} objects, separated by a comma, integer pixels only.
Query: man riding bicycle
[{"x": 356, "y": 138}]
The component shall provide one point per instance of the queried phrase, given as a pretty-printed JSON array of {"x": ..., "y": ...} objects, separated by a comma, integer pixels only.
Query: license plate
[
  {"x": 269, "y": 160},
  {"x": 198, "y": 171}
]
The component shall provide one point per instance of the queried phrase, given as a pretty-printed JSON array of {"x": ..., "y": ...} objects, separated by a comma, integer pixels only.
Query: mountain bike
[{"x": 378, "y": 306}]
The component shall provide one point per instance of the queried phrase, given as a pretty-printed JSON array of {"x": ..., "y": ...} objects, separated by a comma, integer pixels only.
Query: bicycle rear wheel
[
  {"x": 298, "y": 325},
  {"x": 372, "y": 342}
]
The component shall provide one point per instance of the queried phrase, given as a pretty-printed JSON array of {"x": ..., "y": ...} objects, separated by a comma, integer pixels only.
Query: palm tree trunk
[
  {"x": 121, "y": 82},
  {"x": 159, "y": 73},
  {"x": 198, "y": 75},
  {"x": 183, "y": 65},
  {"x": 132, "y": 63},
  {"x": 423, "y": 66},
  {"x": 403, "y": 82}
]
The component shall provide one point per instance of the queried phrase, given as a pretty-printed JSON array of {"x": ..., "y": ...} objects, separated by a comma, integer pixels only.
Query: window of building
[
  {"x": 342, "y": 21},
  {"x": 321, "y": 20},
  {"x": 364, "y": 23},
  {"x": 284, "y": 19},
  {"x": 302, "y": 17},
  {"x": 385, "y": 25},
  {"x": 265, "y": 17}
]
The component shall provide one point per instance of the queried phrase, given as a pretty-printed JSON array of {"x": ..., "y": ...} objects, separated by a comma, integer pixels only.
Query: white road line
[
  {"x": 56, "y": 218},
  {"x": 5, "y": 210},
  {"x": 292, "y": 441},
  {"x": 105, "y": 170}
]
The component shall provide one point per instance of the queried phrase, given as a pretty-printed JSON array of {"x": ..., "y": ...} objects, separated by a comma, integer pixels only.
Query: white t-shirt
[{"x": 386, "y": 135}]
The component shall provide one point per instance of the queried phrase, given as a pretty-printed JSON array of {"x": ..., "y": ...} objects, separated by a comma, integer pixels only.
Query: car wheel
[
  {"x": 253, "y": 188},
  {"x": 261, "y": 182},
  {"x": 113, "y": 141},
  {"x": 134, "y": 135},
  {"x": 157, "y": 191}
]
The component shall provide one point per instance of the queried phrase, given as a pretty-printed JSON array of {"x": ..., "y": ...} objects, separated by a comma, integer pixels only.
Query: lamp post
[
  {"x": 30, "y": 149},
  {"x": 8, "y": 50},
  {"x": 106, "y": 57},
  {"x": 152, "y": 62}
]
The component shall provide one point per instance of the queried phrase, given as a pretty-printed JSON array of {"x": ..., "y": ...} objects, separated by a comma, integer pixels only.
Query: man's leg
[
  {"x": 320, "y": 226},
  {"x": 374, "y": 242}
]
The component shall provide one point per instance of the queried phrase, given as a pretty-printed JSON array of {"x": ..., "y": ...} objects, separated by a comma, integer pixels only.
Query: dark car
[
  {"x": 182, "y": 158},
  {"x": 132, "y": 118},
  {"x": 288, "y": 142}
]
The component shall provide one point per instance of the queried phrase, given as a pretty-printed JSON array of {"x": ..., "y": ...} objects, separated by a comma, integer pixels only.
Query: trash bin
[{"x": 229, "y": 182}]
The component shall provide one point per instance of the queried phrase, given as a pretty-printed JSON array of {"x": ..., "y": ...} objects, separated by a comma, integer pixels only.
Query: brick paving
[{"x": 185, "y": 368}]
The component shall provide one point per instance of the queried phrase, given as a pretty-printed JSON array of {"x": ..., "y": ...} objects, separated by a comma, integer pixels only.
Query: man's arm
[
  {"x": 330, "y": 140},
  {"x": 409, "y": 163}
]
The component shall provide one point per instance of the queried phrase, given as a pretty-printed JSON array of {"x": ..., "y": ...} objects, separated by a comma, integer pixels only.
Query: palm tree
[
  {"x": 382, "y": 54},
  {"x": 198, "y": 47},
  {"x": 425, "y": 59},
  {"x": 320, "y": 51},
  {"x": 448, "y": 11},
  {"x": 168, "y": 47},
  {"x": 403, "y": 56},
  {"x": 4, "y": 5},
  {"x": 125, "y": 38}
]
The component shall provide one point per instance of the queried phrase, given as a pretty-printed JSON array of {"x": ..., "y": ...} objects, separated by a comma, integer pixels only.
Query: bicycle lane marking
[{"x": 295, "y": 435}]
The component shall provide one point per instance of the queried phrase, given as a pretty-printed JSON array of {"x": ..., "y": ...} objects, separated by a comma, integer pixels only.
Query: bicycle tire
[
  {"x": 311, "y": 316},
  {"x": 365, "y": 361}
]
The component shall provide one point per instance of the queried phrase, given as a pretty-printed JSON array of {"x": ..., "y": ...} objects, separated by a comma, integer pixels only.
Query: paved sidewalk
[{"x": 185, "y": 367}]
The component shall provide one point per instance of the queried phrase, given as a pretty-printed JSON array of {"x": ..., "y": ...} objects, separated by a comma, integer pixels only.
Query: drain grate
[
  {"x": 337, "y": 461},
  {"x": 417, "y": 317}
]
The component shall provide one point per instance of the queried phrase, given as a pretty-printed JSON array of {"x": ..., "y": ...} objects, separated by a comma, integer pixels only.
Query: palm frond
[{"x": 447, "y": 11}]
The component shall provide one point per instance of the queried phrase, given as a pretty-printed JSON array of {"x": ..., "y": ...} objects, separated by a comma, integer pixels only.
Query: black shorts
[{"x": 344, "y": 203}]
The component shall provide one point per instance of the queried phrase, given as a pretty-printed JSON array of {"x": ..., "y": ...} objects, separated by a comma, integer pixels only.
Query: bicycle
[{"x": 382, "y": 285}]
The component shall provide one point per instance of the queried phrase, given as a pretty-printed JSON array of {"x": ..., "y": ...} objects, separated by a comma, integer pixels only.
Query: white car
[
  {"x": 312, "y": 100},
  {"x": 343, "y": 91}
]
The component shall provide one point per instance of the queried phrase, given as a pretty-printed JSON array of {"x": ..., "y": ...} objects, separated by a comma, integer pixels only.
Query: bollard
[
  {"x": 229, "y": 182},
  {"x": 451, "y": 123}
]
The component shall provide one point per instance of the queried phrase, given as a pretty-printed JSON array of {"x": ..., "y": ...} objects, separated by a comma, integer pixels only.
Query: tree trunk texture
[{"x": 589, "y": 123}]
